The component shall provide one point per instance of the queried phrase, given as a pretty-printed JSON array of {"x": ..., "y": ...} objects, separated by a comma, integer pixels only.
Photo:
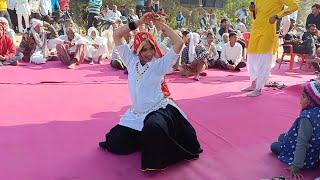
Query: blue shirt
[{"x": 55, "y": 5}]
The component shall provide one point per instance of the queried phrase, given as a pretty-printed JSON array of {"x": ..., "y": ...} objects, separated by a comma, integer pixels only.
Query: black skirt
[{"x": 166, "y": 138}]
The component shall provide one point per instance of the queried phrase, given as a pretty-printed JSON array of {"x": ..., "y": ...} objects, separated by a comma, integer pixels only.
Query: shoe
[
  {"x": 16, "y": 63},
  {"x": 254, "y": 93},
  {"x": 103, "y": 145},
  {"x": 91, "y": 63}
]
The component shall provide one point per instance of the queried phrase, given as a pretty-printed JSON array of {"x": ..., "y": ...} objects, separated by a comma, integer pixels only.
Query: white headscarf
[
  {"x": 9, "y": 31},
  {"x": 194, "y": 40},
  {"x": 91, "y": 29},
  {"x": 5, "y": 21},
  {"x": 36, "y": 22}
]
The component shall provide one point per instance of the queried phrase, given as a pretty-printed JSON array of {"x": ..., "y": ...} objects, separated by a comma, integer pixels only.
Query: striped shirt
[{"x": 94, "y": 6}]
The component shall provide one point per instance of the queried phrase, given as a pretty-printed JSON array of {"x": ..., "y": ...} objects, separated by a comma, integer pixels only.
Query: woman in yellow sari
[{"x": 263, "y": 42}]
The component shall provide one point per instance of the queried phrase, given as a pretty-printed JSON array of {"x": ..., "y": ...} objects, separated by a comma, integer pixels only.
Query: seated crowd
[{"x": 41, "y": 42}]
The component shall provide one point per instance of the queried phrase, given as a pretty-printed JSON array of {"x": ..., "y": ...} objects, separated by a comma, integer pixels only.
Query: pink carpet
[{"x": 52, "y": 119}]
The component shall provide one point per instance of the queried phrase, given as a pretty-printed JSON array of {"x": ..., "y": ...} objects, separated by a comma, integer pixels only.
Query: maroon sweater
[{"x": 7, "y": 47}]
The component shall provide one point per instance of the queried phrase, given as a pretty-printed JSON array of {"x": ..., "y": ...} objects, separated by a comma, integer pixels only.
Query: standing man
[
  {"x": 94, "y": 10},
  {"x": 3, "y": 11},
  {"x": 13, "y": 14},
  {"x": 242, "y": 14},
  {"x": 46, "y": 10},
  {"x": 263, "y": 42}
]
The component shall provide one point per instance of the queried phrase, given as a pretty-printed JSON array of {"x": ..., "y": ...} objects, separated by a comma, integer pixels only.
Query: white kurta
[
  {"x": 22, "y": 7},
  {"x": 233, "y": 54},
  {"x": 35, "y": 6},
  {"x": 146, "y": 93},
  {"x": 94, "y": 53},
  {"x": 76, "y": 40},
  {"x": 45, "y": 7}
]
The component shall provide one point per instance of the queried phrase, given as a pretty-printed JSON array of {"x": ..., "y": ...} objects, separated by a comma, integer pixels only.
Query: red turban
[
  {"x": 139, "y": 41},
  {"x": 141, "y": 38}
]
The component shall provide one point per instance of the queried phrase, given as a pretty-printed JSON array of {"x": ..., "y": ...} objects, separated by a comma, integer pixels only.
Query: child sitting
[{"x": 300, "y": 146}]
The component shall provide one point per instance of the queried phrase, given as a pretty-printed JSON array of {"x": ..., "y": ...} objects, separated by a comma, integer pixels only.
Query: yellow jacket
[
  {"x": 3, "y": 5},
  {"x": 263, "y": 38}
]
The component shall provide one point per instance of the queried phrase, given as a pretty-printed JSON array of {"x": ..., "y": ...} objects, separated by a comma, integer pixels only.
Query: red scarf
[{"x": 139, "y": 41}]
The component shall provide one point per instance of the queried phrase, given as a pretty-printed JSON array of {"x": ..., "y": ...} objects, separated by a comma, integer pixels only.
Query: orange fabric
[{"x": 139, "y": 40}]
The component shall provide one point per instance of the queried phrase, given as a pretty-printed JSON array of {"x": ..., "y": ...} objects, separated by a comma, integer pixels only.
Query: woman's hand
[
  {"x": 159, "y": 24},
  {"x": 294, "y": 174},
  {"x": 146, "y": 18}
]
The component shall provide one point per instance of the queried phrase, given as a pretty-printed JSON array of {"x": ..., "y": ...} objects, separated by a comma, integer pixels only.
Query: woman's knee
[
  {"x": 152, "y": 128},
  {"x": 122, "y": 140}
]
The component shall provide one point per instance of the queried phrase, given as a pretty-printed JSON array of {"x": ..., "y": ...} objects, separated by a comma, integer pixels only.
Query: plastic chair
[
  {"x": 302, "y": 57},
  {"x": 246, "y": 37}
]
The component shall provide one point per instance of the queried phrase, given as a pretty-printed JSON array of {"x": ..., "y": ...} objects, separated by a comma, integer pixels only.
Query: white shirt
[
  {"x": 241, "y": 14},
  {"x": 111, "y": 15},
  {"x": 76, "y": 40},
  {"x": 22, "y": 7},
  {"x": 45, "y": 7},
  {"x": 146, "y": 94},
  {"x": 98, "y": 40},
  {"x": 11, "y": 4},
  {"x": 35, "y": 6},
  {"x": 233, "y": 54},
  {"x": 241, "y": 27}
]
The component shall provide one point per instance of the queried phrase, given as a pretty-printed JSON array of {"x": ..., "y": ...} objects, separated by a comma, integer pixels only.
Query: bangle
[{"x": 132, "y": 25}]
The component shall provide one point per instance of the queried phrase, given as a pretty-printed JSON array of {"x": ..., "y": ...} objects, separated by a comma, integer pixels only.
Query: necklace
[{"x": 140, "y": 74}]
